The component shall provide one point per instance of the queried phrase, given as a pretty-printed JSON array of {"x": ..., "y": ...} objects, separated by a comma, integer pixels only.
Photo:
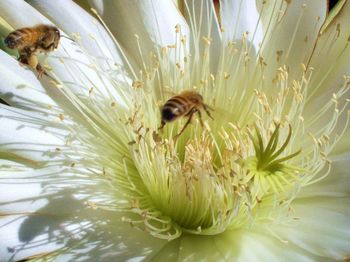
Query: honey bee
[
  {"x": 186, "y": 104},
  {"x": 30, "y": 41}
]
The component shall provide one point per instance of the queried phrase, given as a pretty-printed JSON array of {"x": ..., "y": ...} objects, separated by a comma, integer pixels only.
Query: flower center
[{"x": 214, "y": 177}]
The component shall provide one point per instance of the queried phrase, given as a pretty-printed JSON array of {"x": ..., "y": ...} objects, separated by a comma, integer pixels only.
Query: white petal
[
  {"x": 235, "y": 245},
  {"x": 153, "y": 21},
  {"x": 27, "y": 136},
  {"x": 74, "y": 19},
  {"x": 291, "y": 29},
  {"x": 239, "y": 17},
  {"x": 256, "y": 246},
  {"x": 331, "y": 63},
  {"x": 336, "y": 184},
  {"x": 58, "y": 215},
  {"x": 16, "y": 244},
  {"x": 9, "y": 12},
  {"x": 332, "y": 46},
  {"x": 201, "y": 17},
  {"x": 19, "y": 86},
  {"x": 74, "y": 67},
  {"x": 322, "y": 226},
  {"x": 342, "y": 147}
]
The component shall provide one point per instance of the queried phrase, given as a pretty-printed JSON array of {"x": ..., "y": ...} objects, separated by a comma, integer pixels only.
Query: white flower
[{"x": 86, "y": 175}]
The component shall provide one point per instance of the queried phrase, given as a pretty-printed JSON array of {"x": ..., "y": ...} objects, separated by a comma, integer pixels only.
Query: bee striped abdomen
[
  {"x": 20, "y": 38},
  {"x": 174, "y": 108}
]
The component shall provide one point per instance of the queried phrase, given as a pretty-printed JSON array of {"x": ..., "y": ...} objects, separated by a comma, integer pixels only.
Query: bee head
[{"x": 10, "y": 42}]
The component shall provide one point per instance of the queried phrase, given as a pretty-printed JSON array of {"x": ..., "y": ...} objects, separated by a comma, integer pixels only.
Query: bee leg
[
  {"x": 206, "y": 108},
  {"x": 162, "y": 124},
  {"x": 23, "y": 60},
  {"x": 188, "y": 121},
  {"x": 200, "y": 118},
  {"x": 41, "y": 71}
]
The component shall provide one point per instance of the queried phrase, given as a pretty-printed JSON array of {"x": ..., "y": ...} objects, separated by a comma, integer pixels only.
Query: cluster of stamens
[{"x": 214, "y": 177}]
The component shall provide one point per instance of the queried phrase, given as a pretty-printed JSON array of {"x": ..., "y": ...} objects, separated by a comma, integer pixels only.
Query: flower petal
[
  {"x": 239, "y": 17},
  {"x": 235, "y": 245},
  {"x": 15, "y": 246},
  {"x": 74, "y": 19},
  {"x": 41, "y": 221},
  {"x": 322, "y": 226},
  {"x": 152, "y": 21},
  {"x": 70, "y": 64},
  {"x": 291, "y": 29},
  {"x": 332, "y": 46},
  {"x": 20, "y": 87},
  {"x": 336, "y": 184},
  {"x": 27, "y": 137},
  {"x": 329, "y": 85}
]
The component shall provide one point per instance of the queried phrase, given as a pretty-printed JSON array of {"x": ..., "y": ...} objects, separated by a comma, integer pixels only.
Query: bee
[
  {"x": 185, "y": 104},
  {"x": 29, "y": 41}
]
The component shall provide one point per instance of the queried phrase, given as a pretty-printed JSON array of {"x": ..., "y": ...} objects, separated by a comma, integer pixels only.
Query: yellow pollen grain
[
  {"x": 177, "y": 28},
  {"x": 61, "y": 117},
  {"x": 206, "y": 40},
  {"x": 303, "y": 66},
  {"x": 338, "y": 29},
  {"x": 137, "y": 84}
]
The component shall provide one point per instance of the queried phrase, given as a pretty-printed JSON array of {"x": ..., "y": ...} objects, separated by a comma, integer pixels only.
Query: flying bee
[
  {"x": 30, "y": 41},
  {"x": 186, "y": 104}
]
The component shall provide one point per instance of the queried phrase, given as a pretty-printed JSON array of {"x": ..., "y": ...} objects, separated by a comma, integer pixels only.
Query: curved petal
[
  {"x": 74, "y": 19},
  {"x": 336, "y": 184},
  {"x": 9, "y": 12},
  {"x": 342, "y": 147},
  {"x": 329, "y": 86},
  {"x": 20, "y": 87},
  {"x": 236, "y": 245},
  {"x": 28, "y": 137},
  {"x": 152, "y": 21},
  {"x": 291, "y": 29},
  {"x": 72, "y": 66},
  {"x": 332, "y": 46},
  {"x": 13, "y": 247},
  {"x": 318, "y": 221},
  {"x": 238, "y": 18},
  {"x": 41, "y": 221}
]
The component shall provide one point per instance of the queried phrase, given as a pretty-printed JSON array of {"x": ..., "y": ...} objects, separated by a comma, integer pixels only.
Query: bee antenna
[{"x": 68, "y": 38}]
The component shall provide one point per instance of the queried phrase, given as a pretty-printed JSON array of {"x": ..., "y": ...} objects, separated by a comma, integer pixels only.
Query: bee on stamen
[{"x": 185, "y": 104}]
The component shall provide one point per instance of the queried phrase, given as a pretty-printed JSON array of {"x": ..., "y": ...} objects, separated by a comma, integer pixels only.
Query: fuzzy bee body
[
  {"x": 186, "y": 104},
  {"x": 32, "y": 40}
]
